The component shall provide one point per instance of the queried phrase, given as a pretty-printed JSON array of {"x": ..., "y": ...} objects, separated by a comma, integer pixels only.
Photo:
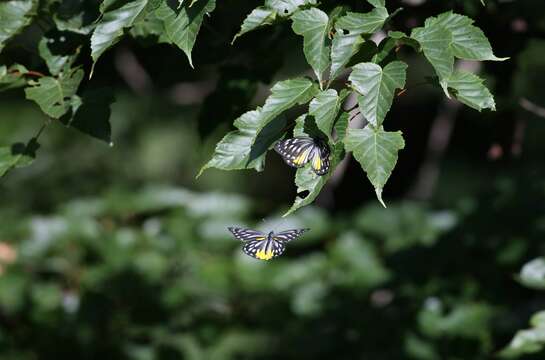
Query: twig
[{"x": 531, "y": 107}]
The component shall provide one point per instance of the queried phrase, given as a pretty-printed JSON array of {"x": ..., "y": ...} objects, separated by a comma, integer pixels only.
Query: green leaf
[
  {"x": 288, "y": 7},
  {"x": 260, "y": 16},
  {"x": 12, "y": 77},
  {"x": 402, "y": 39},
  {"x": 343, "y": 48},
  {"x": 312, "y": 24},
  {"x": 376, "y": 151},
  {"x": 527, "y": 341},
  {"x": 532, "y": 274},
  {"x": 363, "y": 23},
  {"x": 15, "y": 15},
  {"x": 435, "y": 42},
  {"x": 18, "y": 155},
  {"x": 54, "y": 95},
  {"x": 468, "y": 88},
  {"x": 377, "y": 3},
  {"x": 110, "y": 27},
  {"x": 468, "y": 41},
  {"x": 246, "y": 147},
  {"x": 324, "y": 108},
  {"x": 182, "y": 26},
  {"x": 377, "y": 85},
  {"x": 55, "y": 63}
]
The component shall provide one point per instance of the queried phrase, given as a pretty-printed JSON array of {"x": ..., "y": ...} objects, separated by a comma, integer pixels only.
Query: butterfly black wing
[
  {"x": 243, "y": 234},
  {"x": 288, "y": 235},
  {"x": 296, "y": 152}
]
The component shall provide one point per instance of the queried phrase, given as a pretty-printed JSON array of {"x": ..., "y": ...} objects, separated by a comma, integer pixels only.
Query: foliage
[{"x": 336, "y": 44}]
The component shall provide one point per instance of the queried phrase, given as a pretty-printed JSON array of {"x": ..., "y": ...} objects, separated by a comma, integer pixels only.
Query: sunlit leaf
[
  {"x": 376, "y": 151},
  {"x": 110, "y": 27},
  {"x": 313, "y": 24},
  {"x": 260, "y": 16},
  {"x": 468, "y": 88},
  {"x": 343, "y": 48},
  {"x": 532, "y": 274},
  {"x": 15, "y": 15},
  {"x": 362, "y": 23},
  {"x": 377, "y": 85}
]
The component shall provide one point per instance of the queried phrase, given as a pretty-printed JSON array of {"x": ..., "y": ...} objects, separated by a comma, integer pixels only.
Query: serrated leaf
[
  {"x": 324, "y": 108},
  {"x": 343, "y": 48},
  {"x": 468, "y": 88},
  {"x": 376, "y": 151},
  {"x": 15, "y": 15},
  {"x": 55, "y": 63},
  {"x": 54, "y": 95},
  {"x": 468, "y": 41},
  {"x": 313, "y": 24},
  {"x": 12, "y": 77},
  {"x": 287, "y": 7},
  {"x": 182, "y": 26},
  {"x": 260, "y": 16},
  {"x": 246, "y": 147},
  {"x": 18, "y": 155},
  {"x": 377, "y": 85},
  {"x": 435, "y": 42},
  {"x": 362, "y": 23},
  {"x": 109, "y": 29}
]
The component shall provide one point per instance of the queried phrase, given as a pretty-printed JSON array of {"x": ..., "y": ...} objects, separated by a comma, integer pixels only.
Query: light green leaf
[
  {"x": 110, "y": 27},
  {"x": 55, "y": 63},
  {"x": 527, "y": 341},
  {"x": 377, "y": 3},
  {"x": 362, "y": 23},
  {"x": 343, "y": 48},
  {"x": 377, "y": 85},
  {"x": 15, "y": 15},
  {"x": 376, "y": 151},
  {"x": 287, "y": 7},
  {"x": 183, "y": 25},
  {"x": 532, "y": 274},
  {"x": 468, "y": 88},
  {"x": 468, "y": 41},
  {"x": 18, "y": 155},
  {"x": 324, "y": 108},
  {"x": 435, "y": 42},
  {"x": 246, "y": 147},
  {"x": 312, "y": 24},
  {"x": 260, "y": 16},
  {"x": 53, "y": 95},
  {"x": 12, "y": 77}
]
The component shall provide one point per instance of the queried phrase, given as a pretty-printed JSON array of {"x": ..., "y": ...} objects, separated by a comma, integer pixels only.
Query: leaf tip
[{"x": 378, "y": 191}]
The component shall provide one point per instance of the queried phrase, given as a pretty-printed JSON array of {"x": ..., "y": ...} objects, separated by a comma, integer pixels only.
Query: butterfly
[
  {"x": 265, "y": 247},
  {"x": 298, "y": 151}
]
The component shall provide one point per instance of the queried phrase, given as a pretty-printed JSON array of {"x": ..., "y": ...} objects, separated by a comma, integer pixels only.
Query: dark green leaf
[{"x": 18, "y": 155}]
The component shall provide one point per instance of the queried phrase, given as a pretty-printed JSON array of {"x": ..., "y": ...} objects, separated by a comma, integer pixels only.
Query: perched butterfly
[
  {"x": 262, "y": 246},
  {"x": 298, "y": 151}
]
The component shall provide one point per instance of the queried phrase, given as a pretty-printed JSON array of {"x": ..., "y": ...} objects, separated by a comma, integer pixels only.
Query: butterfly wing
[
  {"x": 264, "y": 250},
  {"x": 320, "y": 158},
  {"x": 243, "y": 234},
  {"x": 296, "y": 152},
  {"x": 288, "y": 235}
]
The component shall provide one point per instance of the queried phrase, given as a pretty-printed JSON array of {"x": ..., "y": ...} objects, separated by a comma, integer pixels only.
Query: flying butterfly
[
  {"x": 262, "y": 246},
  {"x": 298, "y": 151}
]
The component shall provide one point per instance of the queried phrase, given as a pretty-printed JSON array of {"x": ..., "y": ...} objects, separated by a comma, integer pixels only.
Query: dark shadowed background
[{"x": 118, "y": 252}]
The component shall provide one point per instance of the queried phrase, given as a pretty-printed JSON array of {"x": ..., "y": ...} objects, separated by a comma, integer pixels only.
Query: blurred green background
[{"x": 118, "y": 252}]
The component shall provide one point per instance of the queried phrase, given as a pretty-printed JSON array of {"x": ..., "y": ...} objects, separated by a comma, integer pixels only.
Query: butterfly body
[
  {"x": 299, "y": 151},
  {"x": 264, "y": 246}
]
